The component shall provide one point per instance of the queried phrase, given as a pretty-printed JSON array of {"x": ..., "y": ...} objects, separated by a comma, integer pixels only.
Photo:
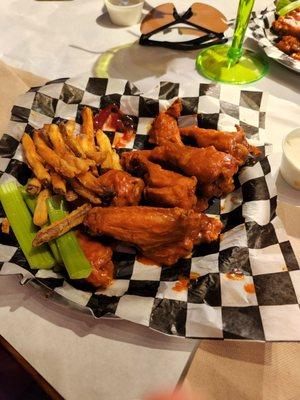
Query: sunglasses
[{"x": 205, "y": 22}]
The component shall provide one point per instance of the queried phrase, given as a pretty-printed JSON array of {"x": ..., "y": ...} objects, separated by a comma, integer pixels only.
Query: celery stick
[
  {"x": 76, "y": 263},
  {"x": 29, "y": 200},
  {"x": 31, "y": 203},
  {"x": 55, "y": 251},
  {"x": 21, "y": 223}
]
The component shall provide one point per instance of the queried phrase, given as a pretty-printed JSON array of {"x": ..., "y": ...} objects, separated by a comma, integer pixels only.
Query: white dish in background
[
  {"x": 290, "y": 161},
  {"x": 124, "y": 12}
]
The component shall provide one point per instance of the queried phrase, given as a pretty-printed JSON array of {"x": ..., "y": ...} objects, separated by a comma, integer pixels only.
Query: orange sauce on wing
[
  {"x": 194, "y": 276},
  {"x": 182, "y": 284},
  {"x": 144, "y": 260},
  {"x": 99, "y": 256},
  {"x": 249, "y": 288}
]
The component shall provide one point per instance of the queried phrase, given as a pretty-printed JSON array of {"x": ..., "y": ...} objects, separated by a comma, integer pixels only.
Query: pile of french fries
[{"x": 67, "y": 163}]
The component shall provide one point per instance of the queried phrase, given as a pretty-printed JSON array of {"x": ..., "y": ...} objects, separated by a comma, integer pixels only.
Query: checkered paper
[
  {"x": 253, "y": 238},
  {"x": 261, "y": 25}
]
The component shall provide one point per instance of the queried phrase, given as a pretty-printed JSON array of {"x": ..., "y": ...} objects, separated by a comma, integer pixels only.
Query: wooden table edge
[{"x": 51, "y": 392}]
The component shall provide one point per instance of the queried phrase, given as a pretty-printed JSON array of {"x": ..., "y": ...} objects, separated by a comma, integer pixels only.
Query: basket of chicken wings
[
  {"x": 278, "y": 33},
  {"x": 135, "y": 205}
]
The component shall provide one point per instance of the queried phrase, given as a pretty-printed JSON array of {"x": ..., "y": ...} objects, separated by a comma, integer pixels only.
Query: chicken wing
[
  {"x": 213, "y": 169},
  {"x": 164, "y": 128},
  {"x": 288, "y": 24},
  {"x": 163, "y": 188},
  {"x": 115, "y": 186},
  {"x": 100, "y": 257},
  {"x": 162, "y": 234},
  {"x": 290, "y": 45},
  {"x": 126, "y": 189},
  {"x": 234, "y": 143}
]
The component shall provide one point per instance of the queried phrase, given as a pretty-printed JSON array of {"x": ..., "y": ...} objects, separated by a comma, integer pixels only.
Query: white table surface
[
  {"x": 84, "y": 358},
  {"x": 79, "y": 356}
]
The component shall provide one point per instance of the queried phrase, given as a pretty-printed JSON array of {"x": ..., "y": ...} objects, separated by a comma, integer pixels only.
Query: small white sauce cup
[
  {"x": 290, "y": 170},
  {"x": 124, "y": 15}
]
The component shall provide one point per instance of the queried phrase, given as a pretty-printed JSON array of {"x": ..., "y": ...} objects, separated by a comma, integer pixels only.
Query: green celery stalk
[
  {"x": 31, "y": 203},
  {"x": 29, "y": 200},
  {"x": 76, "y": 263},
  {"x": 21, "y": 223}
]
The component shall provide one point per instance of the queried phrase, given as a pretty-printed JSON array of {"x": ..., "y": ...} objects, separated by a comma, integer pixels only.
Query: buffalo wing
[
  {"x": 163, "y": 188},
  {"x": 164, "y": 128},
  {"x": 100, "y": 257},
  {"x": 213, "y": 169},
  {"x": 125, "y": 189},
  {"x": 116, "y": 187},
  {"x": 288, "y": 24},
  {"x": 234, "y": 143},
  {"x": 162, "y": 234}
]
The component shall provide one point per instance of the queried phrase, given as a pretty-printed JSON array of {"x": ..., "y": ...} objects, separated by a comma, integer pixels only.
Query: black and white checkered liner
[
  {"x": 253, "y": 239},
  {"x": 261, "y": 25}
]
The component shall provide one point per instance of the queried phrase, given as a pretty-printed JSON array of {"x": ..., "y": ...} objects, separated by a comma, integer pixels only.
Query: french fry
[
  {"x": 112, "y": 159},
  {"x": 45, "y": 134},
  {"x": 84, "y": 192},
  {"x": 34, "y": 160},
  {"x": 87, "y": 138},
  {"x": 33, "y": 187},
  {"x": 71, "y": 195},
  {"x": 57, "y": 140},
  {"x": 40, "y": 215},
  {"x": 89, "y": 181},
  {"x": 62, "y": 226},
  {"x": 103, "y": 141},
  {"x": 5, "y": 226},
  {"x": 115, "y": 160},
  {"x": 59, "y": 145},
  {"x": 108, "y": 162},
  {"x": 59, "y": 185},
  {"x": 84, "y": 164},
  {"x": 91, "y": 150},
  {"x": 67, "y": 131},
  {"x": 87, "y": 127},
  {"x": 51, "y": 158},
  {"x": 94, "y": 171}
]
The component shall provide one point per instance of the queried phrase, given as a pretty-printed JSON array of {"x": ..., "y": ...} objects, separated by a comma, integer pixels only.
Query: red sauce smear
[
  {"x": 116, "y": 121},
  {"x": 144, "y": 260},
  {"x": 235, "y": 275},
  {"x": 104, "y": 114},
  {"x": 124, "y": 139},
  {"x": 249, "y": 288}
]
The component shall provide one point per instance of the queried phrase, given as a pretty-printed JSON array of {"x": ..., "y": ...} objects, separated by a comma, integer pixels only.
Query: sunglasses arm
[{"x": 193, "y": 44}]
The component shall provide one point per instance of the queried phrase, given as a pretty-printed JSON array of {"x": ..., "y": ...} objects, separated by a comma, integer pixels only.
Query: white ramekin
[
  {"x": 288, "y": 168},
  {"x": 124, "y": 15}
]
